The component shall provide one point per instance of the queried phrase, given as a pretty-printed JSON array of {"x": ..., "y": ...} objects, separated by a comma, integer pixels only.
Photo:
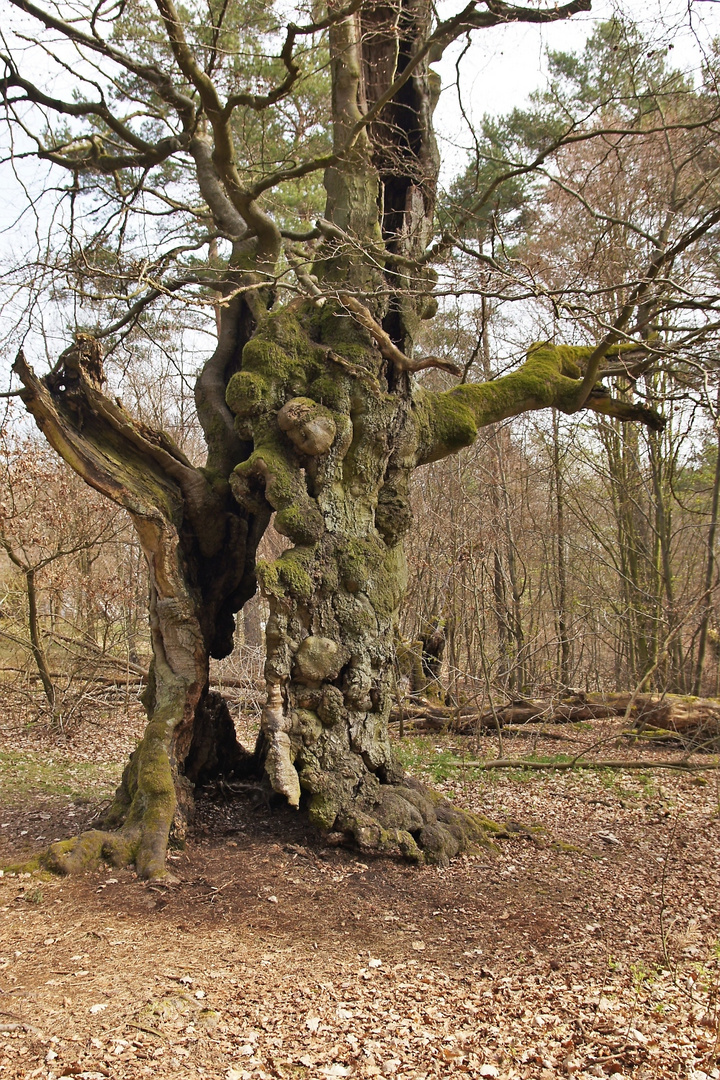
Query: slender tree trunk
[
  {"x": 562, "y": 624},
  {"x": 508, "y": 609},
  {"x": 709, "y": 572},
  {"x": 36, "y": 641},
  {"x": 252, "y": 624},
  {"x": 662, "y": 457}
]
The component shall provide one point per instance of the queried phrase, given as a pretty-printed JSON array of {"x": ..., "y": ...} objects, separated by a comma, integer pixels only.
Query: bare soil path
[{"x": 588, "y": 949}]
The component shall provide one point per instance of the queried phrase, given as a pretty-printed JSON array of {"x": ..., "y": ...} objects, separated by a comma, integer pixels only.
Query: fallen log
[
  {"x": 468, "y": 721},
  {"x": 695, "y": 721}
]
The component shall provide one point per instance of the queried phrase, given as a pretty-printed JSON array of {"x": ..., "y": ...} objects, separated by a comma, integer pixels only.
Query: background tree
[
  {"x": 66, "y": 548},
  {"x": 310, "y": 407},
  {"x": 556, "y": 243}
]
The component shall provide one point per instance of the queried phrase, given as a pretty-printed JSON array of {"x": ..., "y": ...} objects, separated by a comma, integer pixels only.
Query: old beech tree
[{"x": 310, "y": 403}]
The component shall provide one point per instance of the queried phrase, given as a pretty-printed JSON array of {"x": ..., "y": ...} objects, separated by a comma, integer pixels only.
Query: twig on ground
[{"x": 564, "y": 766}]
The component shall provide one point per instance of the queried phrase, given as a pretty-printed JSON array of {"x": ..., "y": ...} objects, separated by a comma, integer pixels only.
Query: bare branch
[{"x": 385, "y": 344}]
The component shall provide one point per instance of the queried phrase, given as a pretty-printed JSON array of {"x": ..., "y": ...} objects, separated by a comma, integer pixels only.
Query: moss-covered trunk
[
  {"x": 189, "y": 734},
  {"x": 334, "y": 444}
]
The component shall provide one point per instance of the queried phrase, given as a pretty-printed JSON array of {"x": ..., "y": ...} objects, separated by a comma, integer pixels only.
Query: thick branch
[
  {"x": 71, "y": 108},
  {"x": 223, "y": 156},
  {"x": 550, "y": 377},
  {"x": 445, "y": 32},
  {"x": 140, "y": 469},
  {"x": 95, "y": 160}
]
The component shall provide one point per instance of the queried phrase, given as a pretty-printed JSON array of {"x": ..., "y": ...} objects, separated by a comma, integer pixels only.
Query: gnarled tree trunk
[
  {"x": 334, "y": 461},
  {"x": 310, "y": 410},
  {"x": 200, "y": 550}
]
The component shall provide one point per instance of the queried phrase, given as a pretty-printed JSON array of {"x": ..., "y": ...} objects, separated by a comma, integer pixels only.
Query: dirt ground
[{"x": 590, "y": 948}]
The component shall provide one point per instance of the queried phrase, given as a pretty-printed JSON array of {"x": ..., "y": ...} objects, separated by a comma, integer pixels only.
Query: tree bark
[
  {"x": 199, "y": 549},
  {"x": 562, "y": 590},
  {"x": 36, "y": 641}
]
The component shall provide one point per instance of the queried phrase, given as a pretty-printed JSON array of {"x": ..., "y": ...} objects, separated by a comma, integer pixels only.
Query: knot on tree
[{"x": 309, "y": 426}]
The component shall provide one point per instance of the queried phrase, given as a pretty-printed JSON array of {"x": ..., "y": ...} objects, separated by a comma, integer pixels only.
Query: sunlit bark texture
[{"x": 312, "y": 410}]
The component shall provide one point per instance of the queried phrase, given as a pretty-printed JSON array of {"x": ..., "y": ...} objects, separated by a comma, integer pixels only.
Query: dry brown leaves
[{"x": 589, "y": 949}]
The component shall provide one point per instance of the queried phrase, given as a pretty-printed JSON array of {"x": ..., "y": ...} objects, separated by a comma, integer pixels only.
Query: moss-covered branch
[{"x": 552, "y": 376}]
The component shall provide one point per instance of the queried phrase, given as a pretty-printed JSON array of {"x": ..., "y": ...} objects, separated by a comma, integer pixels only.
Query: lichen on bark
[{"x": 334, "y": 596}]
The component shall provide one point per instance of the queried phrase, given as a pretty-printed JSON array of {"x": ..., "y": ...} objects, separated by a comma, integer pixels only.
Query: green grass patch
[
  {"x": 644, "y": 974},
  {"x": 28, "y": 773},
  {"x": 642, "y": 785},
  {"x": 424, "y": 755}
]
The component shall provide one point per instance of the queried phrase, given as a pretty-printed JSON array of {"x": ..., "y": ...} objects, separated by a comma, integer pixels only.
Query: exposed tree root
[
  {"x": 88, "y": 850},
  {"x": 154, "y": 801},
  {"x": 136, "y": 829},
  {"x": 407, "y": 819},
  {"x": 412, "y": 820}
]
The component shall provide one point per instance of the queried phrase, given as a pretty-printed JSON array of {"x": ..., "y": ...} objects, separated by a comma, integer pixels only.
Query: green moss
[
  {"x": 288, "y": 574},
  {"x": 323, "y": 810},
  {"x": 349, "y": 341},
  {"x": 282, "y": 483},
  {"x": 564, "y": 846},
  {"x": 331, "y": 391},
  {"x": 445, "y": 423},
  {"x": 356, "y": 559},
  {"x": 550, "y": 376},
  {"x": 353, "y": 352},
  {"x": 272, "y": 470},
  {"x": 30, "y": 867},
  {"x": 85, "y": 851},
  {"x": 265, "y": 358},
  {"x": 302, "y": 523},
  {"x": 247, "y": 393},
  {"x": 290, "y": 329},
  {"x": 338, "y": 329},
  {"x": 282, "y": 352}
]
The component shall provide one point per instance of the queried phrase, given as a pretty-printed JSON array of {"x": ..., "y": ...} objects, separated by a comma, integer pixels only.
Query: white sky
[{"x": 505, "y": 64}]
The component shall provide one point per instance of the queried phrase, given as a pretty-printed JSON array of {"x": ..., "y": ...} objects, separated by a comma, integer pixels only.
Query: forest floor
[{"x": 589, "y": 948}]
